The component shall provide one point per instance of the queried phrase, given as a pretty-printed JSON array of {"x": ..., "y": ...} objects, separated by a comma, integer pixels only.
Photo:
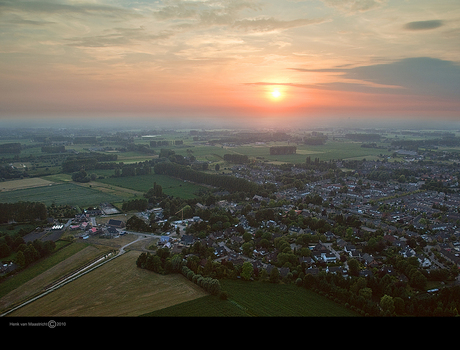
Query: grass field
[
  {"x": 258, "y": 299},
  {"x": 118, "y": 288},
  {"x": 65, "y": 193},
  {"x": 143, "y": 183},
  {"x": 34, "y": 278},
  {"x": 330, "y": 150},
  {"x": 13, "y": 185}
]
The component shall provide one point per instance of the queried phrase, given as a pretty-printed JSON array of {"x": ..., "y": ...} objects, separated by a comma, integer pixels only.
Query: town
[{"x": 350, "y": 218}]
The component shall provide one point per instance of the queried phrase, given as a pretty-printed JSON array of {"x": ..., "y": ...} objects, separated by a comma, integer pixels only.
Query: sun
[{"x": 276, "y": 93}]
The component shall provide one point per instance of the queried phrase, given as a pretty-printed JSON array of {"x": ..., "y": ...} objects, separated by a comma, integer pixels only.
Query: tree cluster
[
  {"x": 22, "y": 212},
  {"x": 88, "y": 162},
  {"x": 229, "y": 183},
  {"x": 32, "y": 251},
  {"x": 53, "y": 149},
  {"x": 10, "y": 244},
  {"x": 209, "y": 284},
  {"x": 282, "y": 150},
  {"x": 135, "y": 223},
  {"x": 135, "y": 204},
  {"x": 236, "y": 158},
  {"x": 14, "y": 147}
]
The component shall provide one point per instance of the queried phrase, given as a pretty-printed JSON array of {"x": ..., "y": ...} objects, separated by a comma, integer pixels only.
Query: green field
[
  {"x": 258, "y": 299},
  {"x": 171, "y": 186},
  {"x": 330, "y": 150},
  {"x": 65, "y": 193}
]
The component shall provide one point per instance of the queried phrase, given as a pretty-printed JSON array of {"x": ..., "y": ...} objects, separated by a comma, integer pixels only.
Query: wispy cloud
[
  {"x": 270, "y": 24},
  {"x": 355, "y": 5},
  {"x": 417, "y": 75},
  {"x": 424, "y": 25},
  {"x": 119, "y": 37},
  {"x": 47, "y": 7}
]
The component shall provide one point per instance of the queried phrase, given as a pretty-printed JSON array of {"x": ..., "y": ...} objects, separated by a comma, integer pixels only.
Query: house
[
  {"x": 423, "y": 260},
  {"x": 220, "y": 251},
  {"x": 116, "y": 223},
  {"x": 187, "y": 239},
  {"x": 328, "y": 257},
  {"x": 294, "y": 230},
  {"x": 312, "y": 271},
  {"x": 407, "y": 252}
]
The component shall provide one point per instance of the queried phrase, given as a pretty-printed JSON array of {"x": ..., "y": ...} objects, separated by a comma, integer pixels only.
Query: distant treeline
[
  {"x": 166, "y": 143},
  {"x": 281, "y": 150},
  {"x": 315, "y": 140},
  {"x": 53, "y": 149},
  {"x": 89, "y": 162},
  {"x": 363, "y": 137},
  {"x": 85, "y": 139},
  {"x": 229, "y": 183},
  {"x": 22, "y": 212},
  {"x": 413, "y": 145},
  {"x": 236, "y": 158},
  {"x": 10, "y": 148},
  {"x": 134, "y": 169}
]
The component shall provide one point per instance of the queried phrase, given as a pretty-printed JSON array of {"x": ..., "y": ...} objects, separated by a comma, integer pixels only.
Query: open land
[
  {"x": 258, "y": 299},
  {"x": 118, "y": 288}
]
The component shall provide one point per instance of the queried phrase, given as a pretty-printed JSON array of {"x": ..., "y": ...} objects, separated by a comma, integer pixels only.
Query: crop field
[
  {"x": 118, "y": 288},
  {"x": 171, "y": 186},
  {"x": 12, "y": 185},
  {"x": 259, "y": 299},
  {"x": 65, "y": 193},
  {"x": 330, "y": 150},
  {"x": 33, "y": 279}
]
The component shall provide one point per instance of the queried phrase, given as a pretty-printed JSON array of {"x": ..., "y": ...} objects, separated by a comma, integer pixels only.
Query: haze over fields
[{"x": 267, "y": 63}]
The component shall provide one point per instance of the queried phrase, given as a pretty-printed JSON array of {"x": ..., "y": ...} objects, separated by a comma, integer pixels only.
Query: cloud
[
  {"x": 423, "y": 25},
  {"x": 46, "y": 7},
  {"x": 416, "y": 75},
  {"x": 270, "y": 24},
  {"x": 179, "y": 11},
  {"x": 120, "y": 37},
  {"x": 354, "y": 5}
]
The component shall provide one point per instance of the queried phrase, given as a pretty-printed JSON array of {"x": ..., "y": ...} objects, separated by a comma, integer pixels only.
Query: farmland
[
  {"x": 65, "y": 193},
  {"x": 170, "y": 185},
  {"x": 258, "y": 299},
  {"x": 117, "y": 288}
]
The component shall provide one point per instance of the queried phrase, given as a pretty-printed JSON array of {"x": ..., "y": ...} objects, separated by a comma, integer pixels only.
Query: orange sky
[{"x": 223, "y": 59}]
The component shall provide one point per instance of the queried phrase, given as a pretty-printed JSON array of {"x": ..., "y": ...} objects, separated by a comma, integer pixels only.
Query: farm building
[{"x": 116, "y": 223}]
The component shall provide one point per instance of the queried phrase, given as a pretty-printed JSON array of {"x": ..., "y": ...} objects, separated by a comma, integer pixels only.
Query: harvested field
[
  {"x": 118, "y": 288},
  {"x": 12, "y": 185},
  {"x": 78, "y": 256}
]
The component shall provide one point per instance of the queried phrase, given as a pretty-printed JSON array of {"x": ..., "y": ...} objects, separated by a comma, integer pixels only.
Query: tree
[
  {"x": 387, "y": 304},
  {"x": 247, "y": 248},
  {"x": 217, "y": 167},
  {"x": 418, "y": 280},
  {"x": 274, "y": 275},
  {"x": 176, "y": 262},
  {"x": 399, "y": 305},
  {"x": 353, "y": 267},
  {"x": 20, "y": 259},
  {"x": 247, "y": 271}
]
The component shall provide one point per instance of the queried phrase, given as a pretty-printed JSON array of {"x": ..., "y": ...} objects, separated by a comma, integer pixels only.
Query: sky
[{"x": 261, "y": 62}]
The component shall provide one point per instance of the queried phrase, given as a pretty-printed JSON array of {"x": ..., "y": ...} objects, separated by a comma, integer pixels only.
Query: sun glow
[{"x": 276, "y": 94}]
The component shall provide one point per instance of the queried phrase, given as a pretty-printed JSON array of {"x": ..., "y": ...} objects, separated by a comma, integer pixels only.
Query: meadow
[
  {"x": 118, "y": 288},
  {"x": 171, "y": 186},
  {"x": 33, "y": 279},
  {"x": 60, "y": 193},
  {"x": 258, "y": 299}
]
